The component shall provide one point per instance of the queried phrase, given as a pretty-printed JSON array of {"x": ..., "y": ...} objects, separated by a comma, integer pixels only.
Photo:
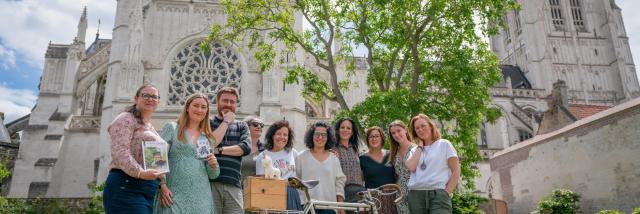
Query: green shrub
[
  {"x": 636, "y": 211},
  {"x": 467, "y": 203},
  {"x": 95, "y": 205},
  {"x": 12, "y": 205},
  {"x": 560, "y": 201}
]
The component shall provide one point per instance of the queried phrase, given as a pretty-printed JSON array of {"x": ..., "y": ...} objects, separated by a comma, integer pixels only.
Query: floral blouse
[{"x": 127, "y": 136}]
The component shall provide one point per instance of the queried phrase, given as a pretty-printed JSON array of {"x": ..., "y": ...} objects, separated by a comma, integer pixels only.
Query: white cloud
[
  {"x": 7, "y": 58},
  {"x": 16, "y": 103},
  {"x": 28, "y": 25}
]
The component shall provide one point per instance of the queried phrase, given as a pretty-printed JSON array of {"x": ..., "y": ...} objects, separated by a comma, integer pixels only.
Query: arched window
[
  {"x": 556, "y": 15},
  {"x": 193, "y": 70}
]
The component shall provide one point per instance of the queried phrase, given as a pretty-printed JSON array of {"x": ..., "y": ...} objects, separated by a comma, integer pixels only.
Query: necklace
[{"x": 423, "y": 165}]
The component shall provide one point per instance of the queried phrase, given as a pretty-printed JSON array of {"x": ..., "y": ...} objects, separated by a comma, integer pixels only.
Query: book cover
[
  {"x": 156, "y": 155},
  {"x": 203, "y": 149}
]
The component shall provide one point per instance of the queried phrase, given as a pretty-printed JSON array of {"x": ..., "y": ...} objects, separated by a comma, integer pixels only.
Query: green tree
[
  {"x": 423, "y": 56},
  {"x": 560, "y": 201}
]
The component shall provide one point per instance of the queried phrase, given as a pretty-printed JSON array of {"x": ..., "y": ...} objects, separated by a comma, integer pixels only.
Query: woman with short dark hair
[
  {"x": 318, "y": 163},
  {"x": 377, "y": 169},
  {"x": 279, "y": 148}
]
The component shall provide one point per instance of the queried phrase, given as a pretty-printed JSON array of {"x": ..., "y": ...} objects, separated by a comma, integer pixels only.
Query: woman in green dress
[{"x": 186, "y": 188}]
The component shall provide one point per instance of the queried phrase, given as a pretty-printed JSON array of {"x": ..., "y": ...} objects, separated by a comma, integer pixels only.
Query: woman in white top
[
  {"x": 279, "y": 147},
  {"x": 434, "y": 168},
  {"x": 318, "y": 163}
]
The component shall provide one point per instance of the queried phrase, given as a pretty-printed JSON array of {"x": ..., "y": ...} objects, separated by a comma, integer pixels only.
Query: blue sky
[{"x": 27, "y": 26}]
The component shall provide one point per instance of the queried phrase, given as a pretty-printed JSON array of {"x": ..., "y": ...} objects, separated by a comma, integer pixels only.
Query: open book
[{"x": 156, "y": 155}]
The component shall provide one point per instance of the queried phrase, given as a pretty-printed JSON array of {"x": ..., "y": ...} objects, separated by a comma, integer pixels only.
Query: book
[
  {"x": 203, "y": 149},
  {"x": 155, "y": 155}
]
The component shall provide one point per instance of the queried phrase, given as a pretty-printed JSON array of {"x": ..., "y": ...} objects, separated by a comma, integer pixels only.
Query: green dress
[{"x": 188, "y": 177}]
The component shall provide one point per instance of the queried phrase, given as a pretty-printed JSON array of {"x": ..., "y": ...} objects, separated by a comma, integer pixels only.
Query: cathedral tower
[{"x": 582, "y": 42}]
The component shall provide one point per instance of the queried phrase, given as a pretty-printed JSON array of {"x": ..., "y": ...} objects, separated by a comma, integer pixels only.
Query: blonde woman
[
  {"x": 400, "y": 147},
  {"x": 186, "y": 188},
  {"x": 434, "y": 167}
]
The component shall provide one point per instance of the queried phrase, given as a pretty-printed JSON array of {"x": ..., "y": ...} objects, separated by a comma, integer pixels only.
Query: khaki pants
[
  {"x": 226, "y": 198},
  {"x": 429, "y": 201}
]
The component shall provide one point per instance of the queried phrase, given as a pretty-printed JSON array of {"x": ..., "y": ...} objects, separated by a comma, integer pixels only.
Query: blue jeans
[{"x": 125, "y": 194}]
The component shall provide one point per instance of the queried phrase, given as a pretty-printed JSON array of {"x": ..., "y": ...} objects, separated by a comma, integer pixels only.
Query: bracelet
[
  {"x": 228, "y": 122},
  {"x": 139, "y": 174}
]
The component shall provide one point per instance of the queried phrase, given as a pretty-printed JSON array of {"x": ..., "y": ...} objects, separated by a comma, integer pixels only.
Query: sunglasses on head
[{"x": 256, "y": 124}]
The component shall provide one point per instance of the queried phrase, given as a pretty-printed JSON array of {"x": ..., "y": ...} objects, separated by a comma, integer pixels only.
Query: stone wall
[{"x": 594, "y": 157}]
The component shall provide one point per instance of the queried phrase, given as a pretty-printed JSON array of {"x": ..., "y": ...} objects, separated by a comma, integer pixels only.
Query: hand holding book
[{"x": 156, "y": 158}]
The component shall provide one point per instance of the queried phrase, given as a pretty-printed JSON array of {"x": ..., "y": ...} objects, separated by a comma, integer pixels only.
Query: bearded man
[{"x": 233, "y": 136}]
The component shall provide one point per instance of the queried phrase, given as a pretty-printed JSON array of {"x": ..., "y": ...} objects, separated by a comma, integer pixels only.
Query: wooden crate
[{"x": 260, "y": 193}]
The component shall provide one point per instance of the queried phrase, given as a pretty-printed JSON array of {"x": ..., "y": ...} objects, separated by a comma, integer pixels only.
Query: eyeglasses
[
  {"x": 256, "y": 124},
  {"x": 374, "y": 136},
  {"x": 149, "y": 97},
  {"x": 319, "y": 134}
]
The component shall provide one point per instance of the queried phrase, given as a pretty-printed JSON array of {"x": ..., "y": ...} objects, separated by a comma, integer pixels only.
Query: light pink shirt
[{"x": 127, "y": 136}]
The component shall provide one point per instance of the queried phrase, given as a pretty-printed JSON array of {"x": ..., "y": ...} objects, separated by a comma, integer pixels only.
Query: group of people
[{"x": 423, "y": 164}]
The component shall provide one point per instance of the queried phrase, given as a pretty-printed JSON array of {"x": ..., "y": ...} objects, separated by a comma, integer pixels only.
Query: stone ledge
[
  {"x": 46, "y": 162},
  {"x": 36, "y": 127},
  {"x": 52, "y": 137}
]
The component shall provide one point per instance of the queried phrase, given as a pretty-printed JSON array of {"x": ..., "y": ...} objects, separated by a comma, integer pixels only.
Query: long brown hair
[
  {"x": 435, "y": 132},
  {"x": 394, "y": 146},
  {"x": 183, "y": 120},
  {"x": 133, "y": 109}
]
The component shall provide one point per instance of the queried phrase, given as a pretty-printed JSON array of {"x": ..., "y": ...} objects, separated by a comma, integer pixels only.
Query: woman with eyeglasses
[
  {"x": 318, "y": 163},
  {"x": 400, "y": 147},
  {"x": 129, "y": 187},
  {"x": 186, "y": 188},
  {"x": 376, "y": 168},
  {"x": 434, "y": 168},
  {"x": 257, "y": 146}
]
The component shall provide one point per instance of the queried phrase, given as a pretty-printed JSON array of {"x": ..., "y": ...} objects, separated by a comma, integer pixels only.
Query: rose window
[{"x": 193, "y": 70}]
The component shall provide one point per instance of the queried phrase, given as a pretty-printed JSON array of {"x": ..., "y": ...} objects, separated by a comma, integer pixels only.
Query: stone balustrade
[
  {"x": 516, "y": 92},
  {"x": 81, "y": 122}
]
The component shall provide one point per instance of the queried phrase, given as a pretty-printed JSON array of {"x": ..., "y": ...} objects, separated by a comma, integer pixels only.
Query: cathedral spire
[
  {"x": 97, "y": 32},
  {"x": 82, "y": 26}
]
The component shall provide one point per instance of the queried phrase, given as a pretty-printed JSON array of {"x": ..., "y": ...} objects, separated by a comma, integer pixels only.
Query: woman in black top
[{"x": 376, "y": 168}]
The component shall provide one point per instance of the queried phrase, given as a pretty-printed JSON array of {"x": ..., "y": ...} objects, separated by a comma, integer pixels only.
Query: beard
[{"x": 222, "y": 111}]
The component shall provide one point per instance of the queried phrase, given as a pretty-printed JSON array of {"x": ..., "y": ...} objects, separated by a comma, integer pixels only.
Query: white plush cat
[{"x": 269, "y": 171}]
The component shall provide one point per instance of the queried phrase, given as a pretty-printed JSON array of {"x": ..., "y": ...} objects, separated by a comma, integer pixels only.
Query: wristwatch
[{"x": 219, "y": 150}]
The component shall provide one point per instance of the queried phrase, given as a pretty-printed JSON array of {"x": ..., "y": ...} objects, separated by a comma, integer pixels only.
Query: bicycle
[{"x": 368, "y": 199}]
